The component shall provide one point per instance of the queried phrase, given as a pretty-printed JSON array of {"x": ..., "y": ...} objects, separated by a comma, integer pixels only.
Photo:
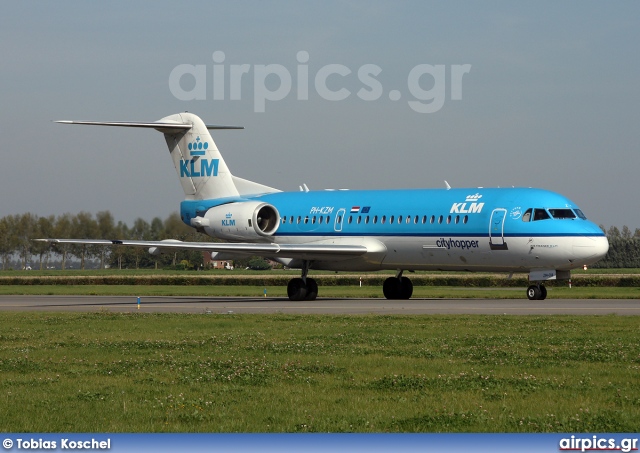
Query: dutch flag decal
[{"x": 355, "y": 209}]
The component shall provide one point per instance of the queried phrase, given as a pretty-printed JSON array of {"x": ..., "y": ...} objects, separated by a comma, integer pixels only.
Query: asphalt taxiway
[{"x": 178, "y": 304}]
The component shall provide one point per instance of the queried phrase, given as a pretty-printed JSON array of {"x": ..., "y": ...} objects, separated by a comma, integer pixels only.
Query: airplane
[{"x": 511, "y": 230}]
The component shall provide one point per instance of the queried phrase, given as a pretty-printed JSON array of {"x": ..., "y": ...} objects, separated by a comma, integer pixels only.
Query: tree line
[{"x": 18, "y": 231}]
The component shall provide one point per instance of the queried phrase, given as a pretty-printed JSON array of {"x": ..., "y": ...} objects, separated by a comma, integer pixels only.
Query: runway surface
[{"x": 321, "y": 305}]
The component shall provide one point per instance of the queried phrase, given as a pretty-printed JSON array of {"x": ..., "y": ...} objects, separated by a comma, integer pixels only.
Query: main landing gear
[
  {"x": 397, "y": 287},
  {"x": 537, "y": 292},
  {"x": 303, "y": 288}
]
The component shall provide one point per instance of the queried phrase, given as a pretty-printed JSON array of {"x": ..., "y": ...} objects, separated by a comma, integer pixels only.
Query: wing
[{"x": 316, "y": 251}]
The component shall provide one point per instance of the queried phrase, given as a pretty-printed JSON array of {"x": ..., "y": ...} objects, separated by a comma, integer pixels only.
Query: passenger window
[
  {"x": 527, "y": 215},
  {"x": 400, "y": 219},
  {"x": 375, "y": 219},
  {"x": 366, "y": 219},
  {"x": 540, "y": 214},
  {"x": 457, "y": 219},
  {"x": 350, "y": 219},
  {"x": 384, "y": 219},
  {"x": 391, "y": 219},
  {"x": 298, "y": 219},
  {"x": 440, "y": 219},
  {"x": 433, "y": 219},
  {"x": 466, "y": 219},
  {"x": 424, "y": 219}
]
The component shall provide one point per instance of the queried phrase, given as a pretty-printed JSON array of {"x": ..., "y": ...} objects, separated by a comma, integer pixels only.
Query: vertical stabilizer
[{"x": 201, "y": 169}]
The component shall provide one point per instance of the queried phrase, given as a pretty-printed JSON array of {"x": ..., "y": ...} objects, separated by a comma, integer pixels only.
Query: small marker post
[
  {"x": 138, "y": 302},
  {"x": 265, "y": 292}
]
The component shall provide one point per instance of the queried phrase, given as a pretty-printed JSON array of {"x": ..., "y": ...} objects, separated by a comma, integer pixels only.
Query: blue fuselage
[{"x": 476, "y": 229}]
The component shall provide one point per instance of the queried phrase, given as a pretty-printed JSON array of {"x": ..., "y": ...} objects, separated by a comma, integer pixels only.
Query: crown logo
[
  {"x": 229, "y": 215},
  {"x": 472, "y": 198},
  {"x": 198, "y": 145}
]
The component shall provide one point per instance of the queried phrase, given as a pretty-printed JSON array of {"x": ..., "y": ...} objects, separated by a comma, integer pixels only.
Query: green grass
[
  {"x": 325, "y": 291},
  {"x": 109, "y": 372}
]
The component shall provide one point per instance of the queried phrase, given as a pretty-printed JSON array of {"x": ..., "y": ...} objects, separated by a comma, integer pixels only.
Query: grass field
[{"x": 107, "y": 372}]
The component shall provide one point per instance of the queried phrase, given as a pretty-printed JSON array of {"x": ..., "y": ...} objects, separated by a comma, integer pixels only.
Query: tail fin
[{"x": 201, "y": 169}]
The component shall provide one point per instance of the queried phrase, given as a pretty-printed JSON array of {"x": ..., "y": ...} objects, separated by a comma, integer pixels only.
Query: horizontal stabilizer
[
  {"x": 161, "y": 126},
  {"x": 214, "y": 126},
  {"x": 153, "y": 125}
]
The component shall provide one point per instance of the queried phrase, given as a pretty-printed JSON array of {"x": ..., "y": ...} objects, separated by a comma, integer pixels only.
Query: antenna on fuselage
[{"x": 447, "y": 184}]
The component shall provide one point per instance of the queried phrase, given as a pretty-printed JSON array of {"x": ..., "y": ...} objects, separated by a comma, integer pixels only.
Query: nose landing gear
[{"x": 537, "y": 292}]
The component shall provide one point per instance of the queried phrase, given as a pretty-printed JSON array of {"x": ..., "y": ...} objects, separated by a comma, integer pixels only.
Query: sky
[{"x": 398, "y": 95}]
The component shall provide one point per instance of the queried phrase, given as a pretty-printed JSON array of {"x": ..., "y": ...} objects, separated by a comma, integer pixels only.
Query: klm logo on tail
[
  {"x": 197, "y": 146},
  {"x": 198, "y": 166}
]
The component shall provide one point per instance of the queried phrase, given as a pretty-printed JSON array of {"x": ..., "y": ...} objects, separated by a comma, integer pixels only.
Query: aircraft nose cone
[{"x": 589, "y": 249}]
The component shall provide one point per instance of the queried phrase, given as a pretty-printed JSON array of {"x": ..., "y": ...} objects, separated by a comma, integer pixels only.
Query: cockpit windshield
[
  {"x": 534, "y": 214},
  {"x": 540, "y": 214},
  {"x": 562, "y": 213}
]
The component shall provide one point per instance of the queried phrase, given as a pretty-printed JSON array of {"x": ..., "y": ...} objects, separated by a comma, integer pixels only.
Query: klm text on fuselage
[
  {"x": 197, "y": 167},
  {"x": 461, "y": 208}
]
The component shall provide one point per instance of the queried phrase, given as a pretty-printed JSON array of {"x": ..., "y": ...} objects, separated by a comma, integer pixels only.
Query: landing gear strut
[
  {"x": 397, "y": 287},
  {"x": 537, "y": 292},
  {"x": 304, "y": 288}
]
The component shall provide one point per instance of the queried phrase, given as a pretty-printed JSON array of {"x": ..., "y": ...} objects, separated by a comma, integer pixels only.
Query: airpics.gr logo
[
  {"x": 474, "y": 206},
  {"x": 197, "y": 166}
]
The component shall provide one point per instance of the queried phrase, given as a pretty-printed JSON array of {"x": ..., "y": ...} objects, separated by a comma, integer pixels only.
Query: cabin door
[
  {"x": 496, "y": 229},
  {"x": 337, "y": 226}
]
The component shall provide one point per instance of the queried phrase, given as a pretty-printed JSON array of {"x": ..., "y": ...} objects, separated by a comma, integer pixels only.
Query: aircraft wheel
[
  {"x": 312, "y": 289},
  {"x": 533, "y": 292},
  {"x": 391, "y": 288},
  {"x": 406, "y": 288},
  {"x": 543, "y": 292},
  {"x": 296, "y": 289}
]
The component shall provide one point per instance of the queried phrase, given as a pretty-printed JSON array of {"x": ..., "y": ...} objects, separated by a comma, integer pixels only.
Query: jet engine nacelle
[{"x": 247, "y": 220}]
